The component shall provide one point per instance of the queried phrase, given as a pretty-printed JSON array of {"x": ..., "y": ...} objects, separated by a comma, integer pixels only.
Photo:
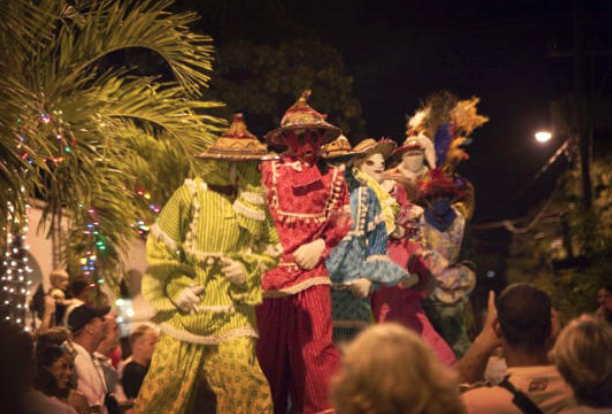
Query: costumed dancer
[
  {"x": 402, "y": 303},
  {"x": 447, "y": 216},
  {"x": 444, "y": 231},
  {"x": 359, "y": 264},
  {"x": 206, "y": 253},
  {"x": 308, "y": 200}
]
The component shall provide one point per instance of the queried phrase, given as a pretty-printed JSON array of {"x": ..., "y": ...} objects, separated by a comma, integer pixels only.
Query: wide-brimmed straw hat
[
  {"x": 302, "y": 116},
  {"x": 338, "y": 148},
  {"x": 238, "y": 144},
  {"x": 384, "y": 146}
]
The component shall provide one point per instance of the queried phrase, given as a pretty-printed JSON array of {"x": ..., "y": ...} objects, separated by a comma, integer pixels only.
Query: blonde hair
[
  {"x": 388, "y": 369},
  {"x": 139, "y": 332},
  {"x": 583, "y": 356}
]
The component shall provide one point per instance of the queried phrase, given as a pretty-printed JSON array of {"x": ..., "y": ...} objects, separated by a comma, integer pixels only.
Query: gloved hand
[
  {"x": 233, "y": 271},
  {"x": 188, "y": 300},
  {"x": 360, "y": 287},
  {"x": 410, "y": 281},
  {"x": 308, "y": 255}
]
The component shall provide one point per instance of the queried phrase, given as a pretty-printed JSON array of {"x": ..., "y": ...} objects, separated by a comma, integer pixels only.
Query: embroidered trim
[
  {"x": 292, "y": 290},
  {"x": 241, "y": 209},
  {"x": 350, "y": 324},
  {"x": 206, "y": 340},
  {"x": 161, "y": 235},
  {"x": 335, "y": 188},
  {"x": 252, "y": 197}
]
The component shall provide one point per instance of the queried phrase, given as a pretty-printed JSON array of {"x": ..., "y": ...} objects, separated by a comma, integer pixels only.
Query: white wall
[{"x": 41, "y": 262}]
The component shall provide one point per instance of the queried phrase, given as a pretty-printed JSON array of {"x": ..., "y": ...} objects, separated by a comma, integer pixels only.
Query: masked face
[
  {"x": 413, "y": 161},
  {"x": 305, "y": 144},
  {"x": 374, "y": 166},
  {"x": 441, "y": 206}
]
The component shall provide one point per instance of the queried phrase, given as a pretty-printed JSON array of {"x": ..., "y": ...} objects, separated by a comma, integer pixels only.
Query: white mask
[
  {"x": 374, "y": 166},
  {"x": 413, "y": 162}
]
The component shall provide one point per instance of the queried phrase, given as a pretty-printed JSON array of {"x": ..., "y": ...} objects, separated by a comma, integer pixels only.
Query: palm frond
[{"x": 110, "y": 26}]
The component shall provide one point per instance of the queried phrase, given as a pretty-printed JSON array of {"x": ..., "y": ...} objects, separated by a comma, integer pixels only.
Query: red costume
[{"x": 308, "y": 200}]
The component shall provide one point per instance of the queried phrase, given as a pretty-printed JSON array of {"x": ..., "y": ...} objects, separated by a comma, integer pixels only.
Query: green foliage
[
  {"x": 263, "y": 80},
  {"x": 94, "y": 136},
  {"x": 564, "y": 226}
]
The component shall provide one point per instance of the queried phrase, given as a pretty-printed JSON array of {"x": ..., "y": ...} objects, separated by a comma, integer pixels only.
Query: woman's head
[
  {"x": 389, "y": 369},
  {"x": 54, "y": 365},
  {"x": 583, "y": 356}
]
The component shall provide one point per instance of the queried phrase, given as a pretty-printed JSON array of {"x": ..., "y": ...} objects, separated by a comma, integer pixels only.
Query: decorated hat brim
[
  {"x": 237, "y": 156},
  {"x": 384, "y": 148},
  {"x": 275, "y": 137}
]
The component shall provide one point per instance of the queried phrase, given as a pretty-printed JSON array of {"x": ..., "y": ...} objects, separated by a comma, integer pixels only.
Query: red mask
[{"x": 305, "y": 144}]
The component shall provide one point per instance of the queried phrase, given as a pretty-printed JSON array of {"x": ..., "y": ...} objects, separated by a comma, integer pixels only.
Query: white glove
[
  {"x": 233, "y": 271},
  {"x": 360, "y": 287},
  {"x": 308, "y": 255},
  {"x": 188, "y": 300}
]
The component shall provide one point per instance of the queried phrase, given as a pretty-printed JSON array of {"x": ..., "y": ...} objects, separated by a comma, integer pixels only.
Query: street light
[{"x": 543, "y": 136}]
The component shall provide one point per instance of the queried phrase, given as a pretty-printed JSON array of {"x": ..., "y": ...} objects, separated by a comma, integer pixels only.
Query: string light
[{"x": 15, "y": 270}]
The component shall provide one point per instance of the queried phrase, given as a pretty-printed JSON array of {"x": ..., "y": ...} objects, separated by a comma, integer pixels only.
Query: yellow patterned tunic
[{"x": 196, "y": 227}]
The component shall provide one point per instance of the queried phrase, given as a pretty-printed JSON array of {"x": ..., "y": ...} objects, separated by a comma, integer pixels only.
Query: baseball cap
[{"x": 83, "y": 314}]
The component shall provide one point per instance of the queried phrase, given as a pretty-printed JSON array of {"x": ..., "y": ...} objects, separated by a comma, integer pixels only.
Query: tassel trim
[
  {"x": 231, "y": 309},
  {"x": 206, "y": 340}
]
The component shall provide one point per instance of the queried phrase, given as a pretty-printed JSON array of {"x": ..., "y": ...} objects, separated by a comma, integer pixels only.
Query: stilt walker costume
[
  {"x": 308, "y": 200},
  {"x": 360, "y": 262},
  {"x": 206, "y": 254},
  {"x": 449, "y": 202},
  {"x": 407, "y": 247}
]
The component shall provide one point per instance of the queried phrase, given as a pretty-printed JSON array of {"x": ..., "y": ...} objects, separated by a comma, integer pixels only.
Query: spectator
[
  {"x": 389, "y": 369},
  {"x": 604, "y": 298},
  {"x": 53, "y": 375},
  {"x": 79, "y": 288},
  {"x": 102, "y": 354},
  {"x": 583, "y": 355},
  {"x": 88, "y": 329},
  {"x": 523, "y": 326},
  {"x": 142, "y": 342}
]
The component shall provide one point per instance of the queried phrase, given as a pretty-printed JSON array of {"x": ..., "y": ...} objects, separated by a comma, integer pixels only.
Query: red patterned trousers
[{"x": 295, "y": 349}]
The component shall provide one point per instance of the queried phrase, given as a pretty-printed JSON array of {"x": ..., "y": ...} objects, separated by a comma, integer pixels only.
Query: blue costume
[{"x": 361, "y": 254}]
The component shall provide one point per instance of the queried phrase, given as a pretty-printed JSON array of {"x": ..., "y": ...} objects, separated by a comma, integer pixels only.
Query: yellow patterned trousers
[{"x": 230, "y": 369}]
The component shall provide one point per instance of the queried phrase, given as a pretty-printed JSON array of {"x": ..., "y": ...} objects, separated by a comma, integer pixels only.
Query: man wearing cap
[
  {"x": 88, "y": 329},
  {"x": 308, "y": 200},
  {"x": 206, "y": 253},
  {"x": 359, "y": 264}
]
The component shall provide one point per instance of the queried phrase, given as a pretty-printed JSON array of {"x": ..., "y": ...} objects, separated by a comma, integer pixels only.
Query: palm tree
[{"x": 86, "y": 134}]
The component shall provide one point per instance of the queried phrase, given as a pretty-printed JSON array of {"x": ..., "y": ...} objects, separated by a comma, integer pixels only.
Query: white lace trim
[
  {"x": 292, "y": 290},
  {"x": 161, "y": 235},
  {"x": 243, "y": 210},
  {"x": 252, "y": 197},
  {"x": 206, "y": 340}
]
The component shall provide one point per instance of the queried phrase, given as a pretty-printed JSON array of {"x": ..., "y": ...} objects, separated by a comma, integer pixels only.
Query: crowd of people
[
  {"x": 73, "y": 364},
  {"x": 267, "y": 271}
]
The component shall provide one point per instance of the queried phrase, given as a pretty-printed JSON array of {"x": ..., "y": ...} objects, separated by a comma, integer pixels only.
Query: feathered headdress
[{"x": 447, "y": 122}]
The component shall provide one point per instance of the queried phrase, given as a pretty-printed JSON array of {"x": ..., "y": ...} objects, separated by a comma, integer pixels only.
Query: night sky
[{"x": 400, "y": 52}]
